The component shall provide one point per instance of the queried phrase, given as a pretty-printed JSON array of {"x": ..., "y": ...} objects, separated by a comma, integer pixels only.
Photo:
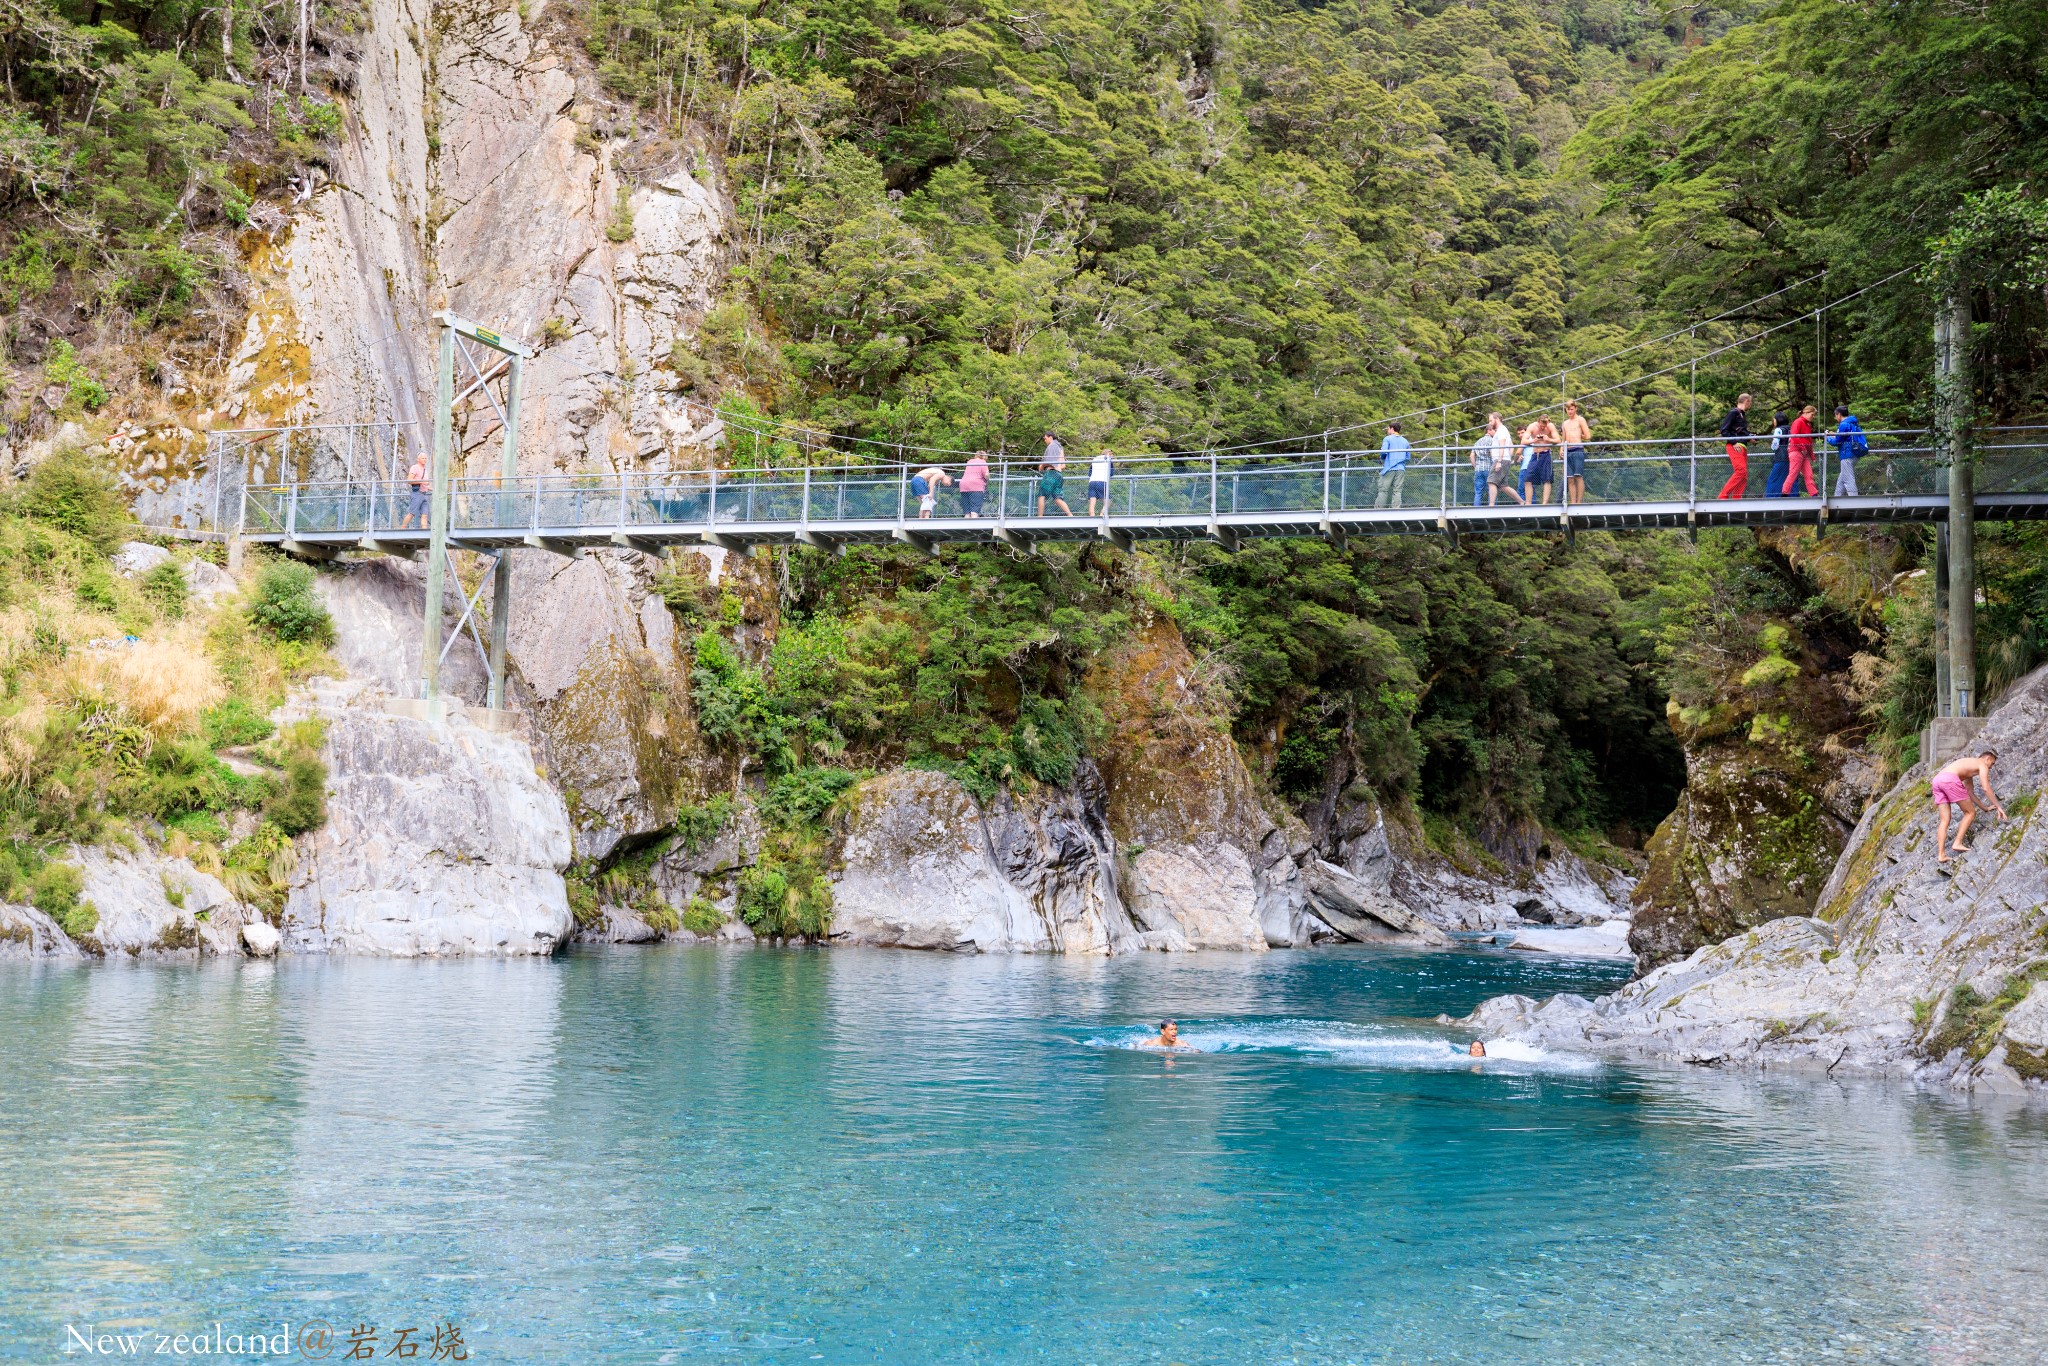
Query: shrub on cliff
[
  {"x": 286, "y": 606},
  {"x": 75, "y": 493},
  {"x": 299, "y": 804},
  {"x": 54, "y": 890}
]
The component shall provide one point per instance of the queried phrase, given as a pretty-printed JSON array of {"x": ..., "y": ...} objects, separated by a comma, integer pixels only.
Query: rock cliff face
[
  {"x": 1901, "y": 969},
  {"x": 482, "y": 169},
  {"x": 1205, "y": 852},
  {"x": 1772, "y": 789},
  {"x": 440, "y": 839}
]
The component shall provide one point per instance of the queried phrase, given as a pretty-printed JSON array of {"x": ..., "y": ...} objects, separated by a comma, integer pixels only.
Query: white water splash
[{"x": 1383, "y": 1046}]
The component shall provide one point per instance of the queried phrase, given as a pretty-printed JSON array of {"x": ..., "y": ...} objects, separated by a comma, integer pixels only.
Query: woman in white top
[{"x": 1098, "y": 483}]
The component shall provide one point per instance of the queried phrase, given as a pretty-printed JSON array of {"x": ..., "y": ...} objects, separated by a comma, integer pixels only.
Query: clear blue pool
[{"x": 760, "y": 1156}]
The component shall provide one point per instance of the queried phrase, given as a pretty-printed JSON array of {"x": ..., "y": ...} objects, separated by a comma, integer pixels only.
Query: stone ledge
[
  {"x": 1947, "y": 737},
  {"x": 442, "y": 708}
]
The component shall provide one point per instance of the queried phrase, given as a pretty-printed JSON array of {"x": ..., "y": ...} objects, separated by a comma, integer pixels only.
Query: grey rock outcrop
[
  {"x": 441, "y": 839},
  {"x": 923, "y": 865},
  {"x": 1350, "y": 906},
  {"x": 1873, "y": 982},
  {"x": 152, "y": 904},
  {"x": 26, "y": 932},
  {"x": 921, "y": 872},
  {"x": 1357, "y": 837},
  {"x": 377, "y": 606}
]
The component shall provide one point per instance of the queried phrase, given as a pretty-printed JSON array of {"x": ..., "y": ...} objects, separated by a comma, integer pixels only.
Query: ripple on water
[{"x": 1360, "y": 1045}]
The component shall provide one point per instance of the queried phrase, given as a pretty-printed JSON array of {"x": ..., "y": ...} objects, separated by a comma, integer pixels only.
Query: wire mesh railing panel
[
  {"x": 1164, "y": 490},
  {"x": 846, "y": 496}
]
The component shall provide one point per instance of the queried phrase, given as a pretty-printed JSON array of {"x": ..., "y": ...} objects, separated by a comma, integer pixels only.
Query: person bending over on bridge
[
  {"x": 1577, "y": 432},
  {"x": 1735, "y": 432},
  {"x": 1781, "y": 459},
  {"x": 1394, "y": 453},
  {"x": 1541, "y": 436},
  {"x": 422, "y": 492},
  {"x": 1502, "y": 477},
  {"x": 1052, "y": 479},
  {"x": 1800, "y": 452},
  {"x": 1850, "y": 446},
  {"x": 1098, "y": 483},
  {"x": 1952, "y": 789},
  {"x": 926, "y": 484},
  {"x": 974, "y": 484}
]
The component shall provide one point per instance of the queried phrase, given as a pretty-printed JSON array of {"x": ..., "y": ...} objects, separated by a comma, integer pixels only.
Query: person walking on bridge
[
  {"x": 1052, "y": 479},
  {"x": 1577, "y": 432},
  {"x": 1506, "y": 470},
  {"x": 1781, "y": 459},
  {"x": 1799, "y": 454},
  {"x": 1394, "y": 453},
  {"x": 1850, "y": 446},
  {"x": 1098, "y": 483},
  {"x": 422, "y": 491},
  {"x": 1735, "y": 432}
]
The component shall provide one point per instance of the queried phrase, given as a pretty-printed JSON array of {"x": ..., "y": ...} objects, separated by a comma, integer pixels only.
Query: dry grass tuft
[{"x": 164, "y": 683}]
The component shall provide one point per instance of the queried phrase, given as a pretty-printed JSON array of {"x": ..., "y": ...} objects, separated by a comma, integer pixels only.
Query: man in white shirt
[{"x": 1098, "y": 483}]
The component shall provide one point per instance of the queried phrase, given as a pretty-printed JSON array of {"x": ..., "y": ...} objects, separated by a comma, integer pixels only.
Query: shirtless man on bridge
[{"x": 1952, "y": 789}]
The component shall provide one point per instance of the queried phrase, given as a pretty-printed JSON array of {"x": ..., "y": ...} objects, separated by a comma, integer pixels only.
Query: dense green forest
[
  {"x": 1191, "y": 226},
  {"x": 1188, "y": 224}
]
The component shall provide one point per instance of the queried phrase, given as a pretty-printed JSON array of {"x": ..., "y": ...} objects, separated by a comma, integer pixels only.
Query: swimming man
[{"x": 1169, "y": 1037}]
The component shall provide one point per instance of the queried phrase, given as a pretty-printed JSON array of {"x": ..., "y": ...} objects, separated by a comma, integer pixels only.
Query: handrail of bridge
[{"x": 1645, "y": 471}]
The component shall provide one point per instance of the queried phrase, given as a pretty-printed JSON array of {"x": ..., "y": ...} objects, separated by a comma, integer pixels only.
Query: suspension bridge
[
  {"x": 1225, "y": 499},
  {"x": 1328, "y": 485}
]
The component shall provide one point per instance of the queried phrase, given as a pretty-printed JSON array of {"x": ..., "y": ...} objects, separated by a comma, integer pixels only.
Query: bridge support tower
[{"x": 455, "y": 333}]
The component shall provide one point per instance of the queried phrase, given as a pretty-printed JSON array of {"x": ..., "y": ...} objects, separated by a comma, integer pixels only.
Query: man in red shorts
[{"x": 1952, "y": 789}]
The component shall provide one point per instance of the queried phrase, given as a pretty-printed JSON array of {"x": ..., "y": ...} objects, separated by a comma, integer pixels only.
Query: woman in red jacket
[{"x": 1800, "y": 454}]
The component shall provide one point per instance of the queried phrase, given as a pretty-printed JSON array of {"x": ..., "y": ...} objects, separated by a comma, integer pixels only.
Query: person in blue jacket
[{"x": 1850, "y": 446}]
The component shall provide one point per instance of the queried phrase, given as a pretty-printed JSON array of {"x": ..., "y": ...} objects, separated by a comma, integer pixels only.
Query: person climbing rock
[{"x": 1952, "y": 789}]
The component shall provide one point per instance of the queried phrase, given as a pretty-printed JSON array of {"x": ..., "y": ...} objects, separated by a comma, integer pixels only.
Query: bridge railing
[{"x": 1184, "y": 486}]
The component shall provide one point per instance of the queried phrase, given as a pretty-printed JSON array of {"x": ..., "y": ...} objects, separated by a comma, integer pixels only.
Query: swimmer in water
[
  {"x": 1169, "y": 1037},
  {"x": 1477, "y": 1050}
]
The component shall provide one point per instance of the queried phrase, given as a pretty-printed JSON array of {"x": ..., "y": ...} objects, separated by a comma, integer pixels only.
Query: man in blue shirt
[
  {"x": 1850, "y": 446},
  {"x": 1394, "y": 452}
]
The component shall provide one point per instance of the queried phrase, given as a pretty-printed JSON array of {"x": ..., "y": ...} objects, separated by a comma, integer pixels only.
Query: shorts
[
  {"x": 416, "y": 506},
  {"x": 926, "y": 502},
  {"x": 1950, "y": 790},
  {"x": 1099, "y": 488},
  {"x": 1574, "y": 462},
  {"x": 1503, "y": 474},
  {"x": 919, "y": 487},
  {"x": 1539, "y": 468},
  {"x": 1051, "y": 484},
  {"x": 971, "y": 500}
]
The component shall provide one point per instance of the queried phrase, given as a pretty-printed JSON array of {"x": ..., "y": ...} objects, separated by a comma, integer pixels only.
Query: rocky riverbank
[{"x": 1903, "y": 969}]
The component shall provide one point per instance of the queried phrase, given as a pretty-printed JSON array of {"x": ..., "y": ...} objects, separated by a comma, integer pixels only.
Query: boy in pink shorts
[{"x": 1952, "y": 789}]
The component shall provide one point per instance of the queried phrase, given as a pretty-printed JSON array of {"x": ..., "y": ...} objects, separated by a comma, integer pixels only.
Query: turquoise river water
[{"x": 690, "y": 1154}]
